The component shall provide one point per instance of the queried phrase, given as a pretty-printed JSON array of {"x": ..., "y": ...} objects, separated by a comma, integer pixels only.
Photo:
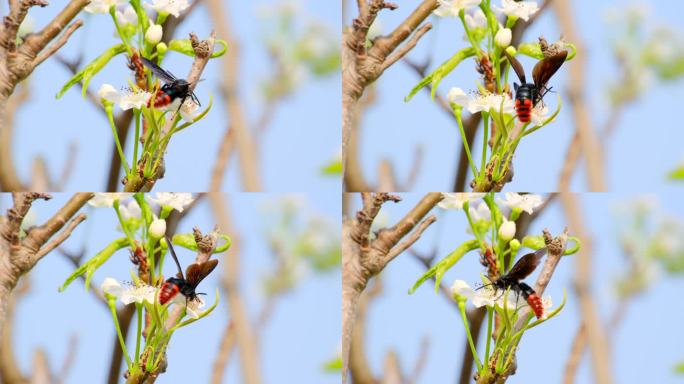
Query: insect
[
  {"x": 521, "y": 269},
  {"x": 527, "y": 95},
  {"x": 194, "y": 274},
  {"x": 172, "y": 89}
]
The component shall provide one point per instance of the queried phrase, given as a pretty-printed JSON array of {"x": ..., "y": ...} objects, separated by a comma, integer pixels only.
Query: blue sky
[
  {"x": 644, "y": 148},
  {"x": 646, "y": 346},
  {"x": 301, "y": 336},
  {"x": 46, "y": 126}
]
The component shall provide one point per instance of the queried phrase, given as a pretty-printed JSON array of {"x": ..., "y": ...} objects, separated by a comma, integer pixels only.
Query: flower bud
[
  {"x": 503, "y": 37},
  {"x": 153, "y": 34},
  {"x": 507, "y": 230},
  {"x": 162, "y": 48},
  {"x": 158, "y": 228}
]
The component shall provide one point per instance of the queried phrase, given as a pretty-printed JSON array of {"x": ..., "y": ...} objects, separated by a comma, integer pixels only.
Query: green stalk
[
  {"x": 473, "y": 350},
  {"x": 457, "y": 112},
  {"x": 483, "y": 161},
  {"x": 108, "y": 108},
  {"x": 112, "y": 11},
  {"x": 138, "y": 308}
]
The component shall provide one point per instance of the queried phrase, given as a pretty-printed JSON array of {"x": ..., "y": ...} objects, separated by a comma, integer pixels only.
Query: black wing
[
  {"x": 517, "y": 67},
  {"x": 528, "y": 263},
  {"x": 175, "y": 258},
  {"x": 165, "y": 76},
  {"x": 544, "y": 69},
  {"x": 197, "y": 272}
]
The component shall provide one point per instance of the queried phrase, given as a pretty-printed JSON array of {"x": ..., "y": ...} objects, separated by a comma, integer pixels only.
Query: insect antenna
[{"x": 175, "y": 258}]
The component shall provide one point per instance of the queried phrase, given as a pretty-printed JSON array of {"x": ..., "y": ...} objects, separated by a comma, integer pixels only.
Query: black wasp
[
  {"x": 527, "y": 95},
  {"x": 172, "y": 89},
  {"x": 521, "y": 269},
  {"x": 194, "y": 274}
]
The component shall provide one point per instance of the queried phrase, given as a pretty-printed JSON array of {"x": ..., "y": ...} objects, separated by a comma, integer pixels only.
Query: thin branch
[
  {"x": 412, "y": 238},
  {"x": 402, "y": 51},
  {"x": 596, "y": 333},
  {"x": 590, "y": 145},
  {"x": 57, "y": 44},
  {"x": 234, "y": 104},
  {"x": 61, "y": 237},
  {"x": 38, "y": 236}
]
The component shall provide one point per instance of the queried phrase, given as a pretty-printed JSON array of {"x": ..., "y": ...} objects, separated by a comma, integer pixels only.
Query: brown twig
[
  {"x": 243, "y": 139},
  {"x": 589, "y": 143},
  {"x": 595, "y": 332},
  {"x": 364, "y": 257},
  {"x": 243, "y": 329},
  {"x": 18, "y": 255},
  {"x": 18, "y": 61},
  {"x": 361, "y": 66}
]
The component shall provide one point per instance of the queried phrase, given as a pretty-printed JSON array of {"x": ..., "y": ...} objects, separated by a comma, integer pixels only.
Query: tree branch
[{"x": 363, "y": 257}]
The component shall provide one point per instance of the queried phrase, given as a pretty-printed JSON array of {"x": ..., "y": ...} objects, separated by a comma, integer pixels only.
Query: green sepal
[
  {"x": 90, "y": 70},
  {"x": 94, "y": 263}
]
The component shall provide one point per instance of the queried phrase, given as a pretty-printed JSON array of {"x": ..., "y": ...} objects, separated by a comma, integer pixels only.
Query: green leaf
[
  {"x": 334, "y": 168},
  {"x": 443, "y": 265},
  {"x": 90, "y": 70},
  {"x": 187, "y": 240},
  {"x": 93, "y": 264},
  {"x": 438, "y": 74},
  {"x": 185, "y": 47},
  {"x": 677, "y": 174},
  {"x": 533, "y": 50},
  {"x": 334, "y": 365}
]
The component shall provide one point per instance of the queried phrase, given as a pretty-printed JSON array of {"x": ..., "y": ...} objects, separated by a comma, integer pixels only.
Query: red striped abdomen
[
  {"x": 523, "y": 108},
  {"x": 536, "y": 304},
  {"x": 167, "y": 292},
  {"x": 160, "y": 99}
]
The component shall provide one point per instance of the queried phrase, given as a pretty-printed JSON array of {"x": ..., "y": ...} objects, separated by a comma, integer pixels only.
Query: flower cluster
[
  {"x": 488, "y": 33},
  {"x": 161, "y": 308},
  {"x": 159, "y": 112},
  {"x": 492, "y": 223}
]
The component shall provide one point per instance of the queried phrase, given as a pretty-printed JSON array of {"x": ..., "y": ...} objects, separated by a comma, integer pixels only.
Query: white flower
[
  {"x": 453, "y": 7},
  {"x": 189, "y": 110},
  {"x": 520, "y": 9},
  {"x": 173, "y": 7},
  {"x": 539, "y": 114},
  {"x": 489, "y": 102},
  {"x": 193, "y": 306},
  {"x": 503, "y": 37},
  {"x": 461, "y": 289},
  {"x": 127, "y": 17},
  {"x": 130, "y": 210},
  {"x": 177, "y": 201},
  {"x": 458, "y": 97},
  {"x": 476, "y": 20},
  {"x": 526, "y": 203},
  {"x": 129, "y": 293},
  {"x": 102, "y": 6},
  {"x": 157, "y": 228},
  {"x": 507, "y": 230},
  {"x": 125, "y": 100},
  {"x": 107, "y": 199},
  {"x": 456, "y": 200},
  {"x": 153, "y": 35},
  {"x": 480, "y": 213}
]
